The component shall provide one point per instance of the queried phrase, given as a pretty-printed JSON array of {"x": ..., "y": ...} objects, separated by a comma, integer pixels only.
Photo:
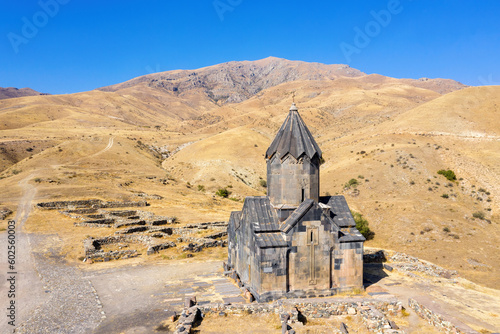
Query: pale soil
[{"x": 458, "y": 299}]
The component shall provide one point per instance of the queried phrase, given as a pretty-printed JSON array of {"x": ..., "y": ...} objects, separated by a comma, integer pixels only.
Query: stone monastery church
[{"x": 292, "y": 243}]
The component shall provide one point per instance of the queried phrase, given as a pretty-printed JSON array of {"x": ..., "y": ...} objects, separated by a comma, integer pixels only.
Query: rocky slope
[{"x": 237, "y": 81}]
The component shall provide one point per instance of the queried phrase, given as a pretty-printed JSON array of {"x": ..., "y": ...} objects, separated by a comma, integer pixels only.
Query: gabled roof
[
  {"x": 270, "y": 240},
  {"x": 341, "y": 214},
  {"x": 294, "y": 138},
  {"x": 350, "y": 234},
  {"x": 258, "y": 211},
  {"x": 293, "y": 219}
]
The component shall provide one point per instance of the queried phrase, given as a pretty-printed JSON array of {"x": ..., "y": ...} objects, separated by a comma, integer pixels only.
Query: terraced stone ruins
[{"x": 135, "y": 228}]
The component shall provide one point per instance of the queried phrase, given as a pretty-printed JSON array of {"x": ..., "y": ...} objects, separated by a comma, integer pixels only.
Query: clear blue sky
[{"x": 81, "y": 45}]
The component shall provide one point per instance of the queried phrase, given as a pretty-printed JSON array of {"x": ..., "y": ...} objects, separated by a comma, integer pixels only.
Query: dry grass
[{"x": 388, "y": 120}]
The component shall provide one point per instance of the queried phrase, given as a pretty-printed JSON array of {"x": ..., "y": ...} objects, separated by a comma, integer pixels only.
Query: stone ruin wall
[
  {"x": 433, "y": 318},
  {"x": 149, "y": 235},
  {"x": 375, "y": 314},
  {"x": 135, "y": 226},
  {"x": 90, "y": 203}
]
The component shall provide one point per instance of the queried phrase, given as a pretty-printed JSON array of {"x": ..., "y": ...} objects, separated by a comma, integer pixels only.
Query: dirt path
[
  {"x": 29, "y": 287},
  {"x": 138, "y": 298},
  {"x": 107, "y": 148},
  {"x": 51, "y": 297}
]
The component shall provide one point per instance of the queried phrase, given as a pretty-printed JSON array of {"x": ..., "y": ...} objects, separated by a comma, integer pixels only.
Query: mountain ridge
[
  {"x": 236, "y": 81},
  {"x": 12, "y": 92}
]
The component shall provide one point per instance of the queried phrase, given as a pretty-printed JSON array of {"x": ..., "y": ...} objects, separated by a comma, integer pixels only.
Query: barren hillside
[{"x": 182, "y": 135}]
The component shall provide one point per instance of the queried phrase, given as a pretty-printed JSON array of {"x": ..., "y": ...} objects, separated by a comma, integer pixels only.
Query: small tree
[
  {"x": 222, "y": 192},
  {"x": 362, "y": 225},
  {"x": 351, "y": 183},
  {"x": 478, "y": 215},
  {"x": 449, "y": 174}
]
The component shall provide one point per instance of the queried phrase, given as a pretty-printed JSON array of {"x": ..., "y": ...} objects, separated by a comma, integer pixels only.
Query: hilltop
[{"x": 11, "y": 92}]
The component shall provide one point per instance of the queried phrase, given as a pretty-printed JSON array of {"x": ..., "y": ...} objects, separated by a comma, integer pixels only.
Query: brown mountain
[
  {"x": 11, "y": 92},
  {"x": 237, "y": 81}
]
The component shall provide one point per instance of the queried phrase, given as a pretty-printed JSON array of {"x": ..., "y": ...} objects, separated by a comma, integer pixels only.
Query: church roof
[
  {"x": 270, "y": 240},
  {"x": 294, "y": 137},
  {"x": 297, "y": 215},
  {"x": 260, "y": 213},
  {"x": 342, "y": 217},
  {"x": 341, "y": 214}
]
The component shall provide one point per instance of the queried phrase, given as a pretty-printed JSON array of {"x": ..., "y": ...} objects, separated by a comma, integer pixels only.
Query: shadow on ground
[{"x": 373, "y": 273}]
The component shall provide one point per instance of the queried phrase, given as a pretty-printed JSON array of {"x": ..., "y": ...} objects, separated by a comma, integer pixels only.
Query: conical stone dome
[{"x": 293, "y": 137}]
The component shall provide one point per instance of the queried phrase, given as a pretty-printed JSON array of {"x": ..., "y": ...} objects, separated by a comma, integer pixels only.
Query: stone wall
[
  {"x": 435, "y": 319},
  {"x": 90, "y": 203},
  {"x": 374, "y": 313},
  {"x": 93, "y": 245},
  {"x": 134, "y": 226},
  {"x": 158, "y": 247},
  {"x": 149, "y": 236},
  {"x": 407, "y": 264},
  {"x": 112, "y": 255},
  {"x": 96, "y": 223}
]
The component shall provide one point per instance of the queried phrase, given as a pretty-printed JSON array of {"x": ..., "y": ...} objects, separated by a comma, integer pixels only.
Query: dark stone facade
[{"x": 292, "y": 243}]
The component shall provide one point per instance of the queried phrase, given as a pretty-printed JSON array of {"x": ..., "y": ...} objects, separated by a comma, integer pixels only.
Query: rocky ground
[{"x": 142, "y": 298}]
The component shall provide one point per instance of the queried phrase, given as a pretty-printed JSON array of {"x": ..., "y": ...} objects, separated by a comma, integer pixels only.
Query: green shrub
[
  {"x": 263, "y": 183},
  {"x": 351, "y": 183},
  {"x": 478, "y": 215},
  {"x": 445, "y": 196},
  {"x": 222, "y": 192},
  {"x": 38, "y": 180},
  {"x": 201, "y": 187},
  {"x": 362, "y": 225},
  {"x": 16, "y": 171},
  {"x": 449, "y": 174},
  {"x": 446, "y": 229}
]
